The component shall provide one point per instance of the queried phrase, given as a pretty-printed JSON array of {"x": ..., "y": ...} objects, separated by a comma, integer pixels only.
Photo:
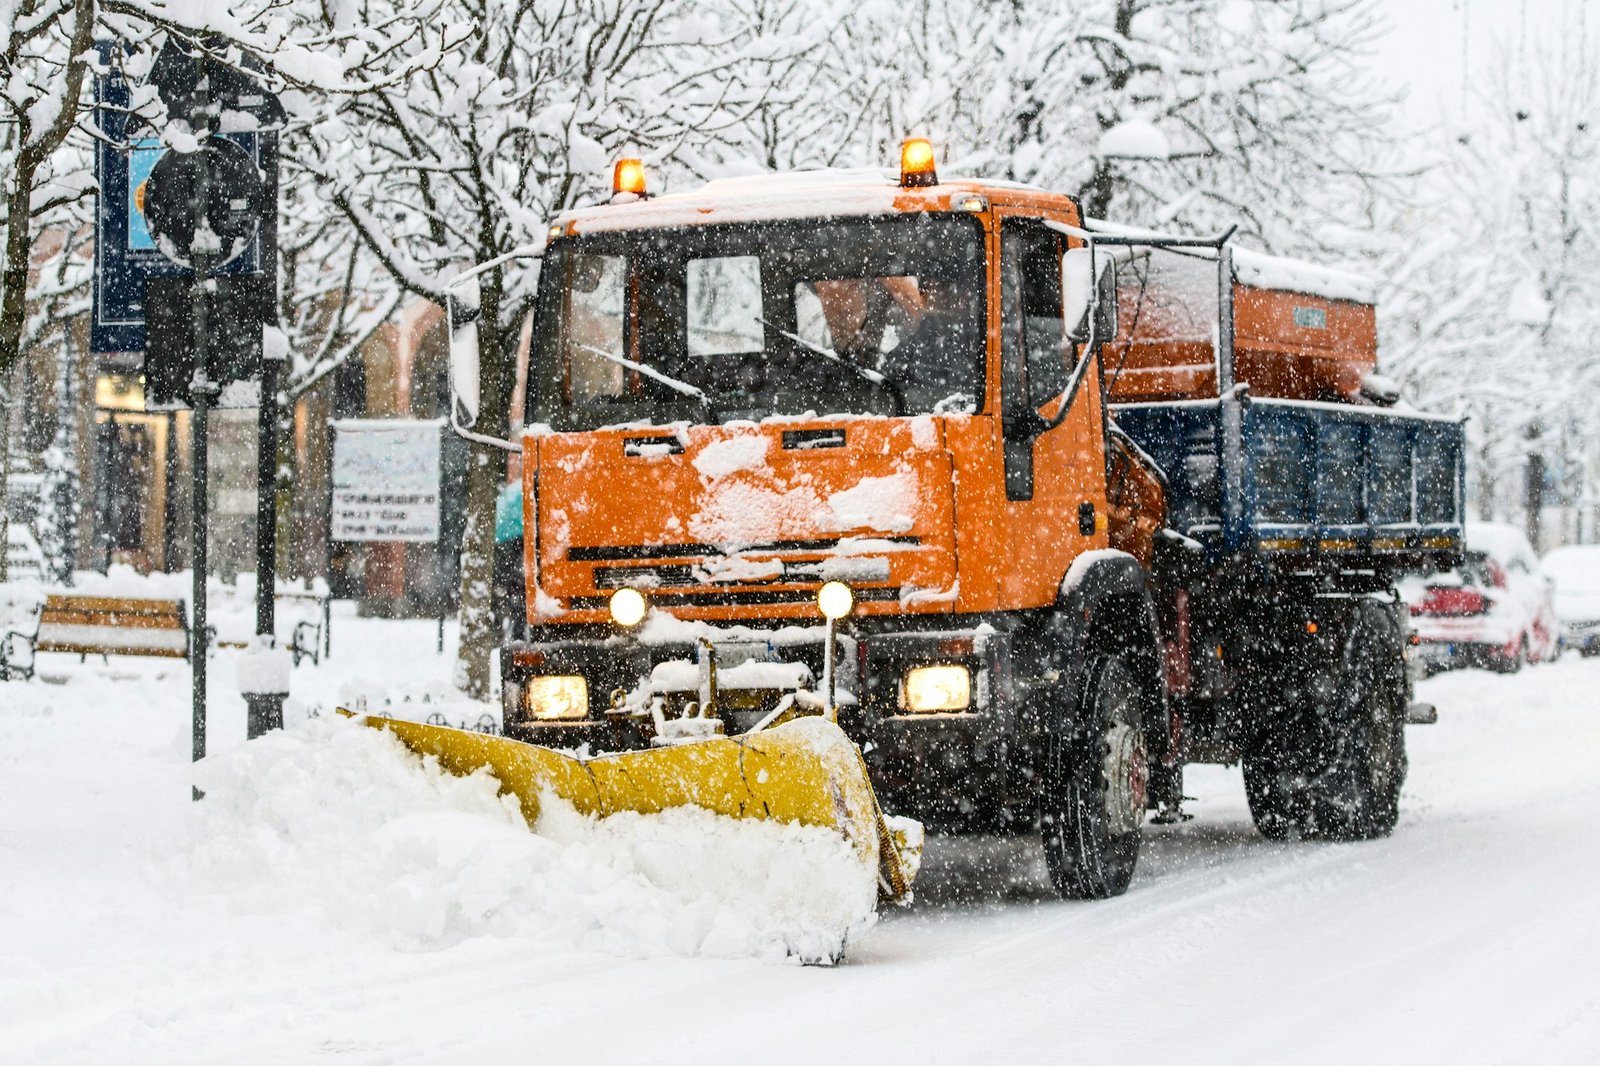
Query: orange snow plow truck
[{"x": 859, "y": 489}]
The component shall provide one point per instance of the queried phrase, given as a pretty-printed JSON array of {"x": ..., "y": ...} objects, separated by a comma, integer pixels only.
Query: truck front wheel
[
  {"x": 1093, "y": 785},
  {"x": 1336, "y": 774}
]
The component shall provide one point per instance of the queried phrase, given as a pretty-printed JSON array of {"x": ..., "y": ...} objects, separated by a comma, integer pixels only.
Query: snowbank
[{"x": 342, "y": 823}]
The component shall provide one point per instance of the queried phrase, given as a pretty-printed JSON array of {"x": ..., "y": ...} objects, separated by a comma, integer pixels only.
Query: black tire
[
  {"x": 1089, "y": 828},
  {"x": 1509, "y": 664},
  {"x": 1336, "y": 774},
  {"x": 1276, "y": 798}
]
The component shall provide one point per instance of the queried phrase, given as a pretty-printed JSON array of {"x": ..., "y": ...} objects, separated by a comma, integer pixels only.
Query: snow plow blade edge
[{"x": 804, "y": 771}]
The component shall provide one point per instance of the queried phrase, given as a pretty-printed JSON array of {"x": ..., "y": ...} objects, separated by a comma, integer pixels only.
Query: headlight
[
  {"x": 554, "y": 699},
  {"x": 835, "y": 600},
  {"x": 627, "y": 607},
  {"x": 937, "y": 688}
]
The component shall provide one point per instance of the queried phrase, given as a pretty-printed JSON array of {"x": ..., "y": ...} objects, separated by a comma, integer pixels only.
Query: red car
[{"x": 1497, "y": 610}]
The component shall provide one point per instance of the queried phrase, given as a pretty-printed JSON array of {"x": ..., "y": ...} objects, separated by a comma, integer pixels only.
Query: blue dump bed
[{"x": 1300, "y": 484}]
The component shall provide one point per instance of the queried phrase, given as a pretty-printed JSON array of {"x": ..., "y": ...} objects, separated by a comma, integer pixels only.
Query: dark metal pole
[
  {"x": 1224, "y": 319},
  {"x": 197, "y": 650},
  {"x": 830, "y": 667},
  {"x": 202, "y": 390},
  {"x": 266, "y": 709},
  {"x": 104, "y": 510},
  {"x": 169, "y": 483},
  {"x": 266, "y": 499}
]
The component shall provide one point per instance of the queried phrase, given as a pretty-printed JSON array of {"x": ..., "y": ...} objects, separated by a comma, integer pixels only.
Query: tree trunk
[
  {"x": 291, "y": 553},
  {"x": 33, "y": 148},
  {"x": 13, "y": 317},
  {"x": 5, "y": 470},
  {"x": 1488, "y": 482},
  {"x": 1535, "y": 500},
  {"x": 485, "y": 474}
]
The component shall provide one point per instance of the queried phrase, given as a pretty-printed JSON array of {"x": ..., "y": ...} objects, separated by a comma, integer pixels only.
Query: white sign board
[{"x": 386, "y": 480}]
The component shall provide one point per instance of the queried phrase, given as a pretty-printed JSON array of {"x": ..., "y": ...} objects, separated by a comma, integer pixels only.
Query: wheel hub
[{"x": 1127, "y": 774}]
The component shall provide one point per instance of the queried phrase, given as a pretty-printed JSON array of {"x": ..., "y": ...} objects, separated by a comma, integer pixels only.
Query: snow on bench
[{"x": 113, "y": 625}]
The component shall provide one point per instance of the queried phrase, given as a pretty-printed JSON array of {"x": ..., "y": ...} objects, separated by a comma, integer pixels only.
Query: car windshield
[
  {"x": 742, "y": 321},
  {"x": 1478, "y": 569}
]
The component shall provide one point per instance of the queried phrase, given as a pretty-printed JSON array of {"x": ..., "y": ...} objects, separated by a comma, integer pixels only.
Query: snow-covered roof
[
  {"x": 1500, "y": 540},
  {"x": 1262, "y": 271},
  {"x": 1265, "y": 271},
  {"x": 1576, "y": 567},
  {"x": 759, "y": 198},
  {"x": 795, "y": 194}
]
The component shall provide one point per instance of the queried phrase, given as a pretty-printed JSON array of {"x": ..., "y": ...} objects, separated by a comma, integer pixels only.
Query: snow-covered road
[{"x": 1471, "y": 936}]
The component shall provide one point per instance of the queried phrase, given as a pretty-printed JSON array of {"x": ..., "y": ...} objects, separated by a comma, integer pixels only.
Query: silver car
[{"x": 1576, "y": 570}]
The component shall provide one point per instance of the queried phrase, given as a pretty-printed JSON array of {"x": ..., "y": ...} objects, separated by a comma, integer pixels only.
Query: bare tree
[
  {"x": 44, "y": 140},
  {"x": 1495, "y": 274},
  {"x": 467, "y": 164},
  {"x": 1194, "y": 113}
]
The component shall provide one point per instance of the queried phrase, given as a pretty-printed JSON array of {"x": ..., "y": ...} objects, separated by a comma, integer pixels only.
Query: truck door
[{"x": 1054, "y": 479}]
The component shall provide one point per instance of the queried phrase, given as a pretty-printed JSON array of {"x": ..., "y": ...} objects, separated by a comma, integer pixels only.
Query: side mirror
[
  {"x": 461, "y": 311},
  {"x": 1088, "y": 304},
  {"x": 1077, "y": 292},
  {"x": 1089, "y": 312}
]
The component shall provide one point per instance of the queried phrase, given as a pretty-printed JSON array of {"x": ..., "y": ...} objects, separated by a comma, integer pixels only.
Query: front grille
[
  {"x": 642, "y": 577},
  {"x": 733, "y": 597},
  {"x": 855, "y": 569},
  {"x": 610, "y": 553}
]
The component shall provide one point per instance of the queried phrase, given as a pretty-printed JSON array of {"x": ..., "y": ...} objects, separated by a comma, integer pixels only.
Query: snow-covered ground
[{"x": 330, "y": 901}]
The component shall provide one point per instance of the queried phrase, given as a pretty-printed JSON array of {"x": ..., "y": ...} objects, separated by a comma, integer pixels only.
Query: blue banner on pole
[{"x": 126, "y": 256}]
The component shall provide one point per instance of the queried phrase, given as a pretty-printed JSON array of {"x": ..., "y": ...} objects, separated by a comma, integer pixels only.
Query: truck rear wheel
[
  {"x": 1093, "y": 784},
  {"x": 1337, "y": 773}
]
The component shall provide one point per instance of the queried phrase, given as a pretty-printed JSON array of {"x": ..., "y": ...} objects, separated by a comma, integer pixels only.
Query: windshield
[{"x": 741, "y": 321}]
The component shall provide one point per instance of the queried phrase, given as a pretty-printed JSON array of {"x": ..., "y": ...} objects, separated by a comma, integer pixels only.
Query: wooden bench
[
  {"x": 313, "y": 640},
  {"x": 112, "y": 625},
  {"x": 310, "y": 639},
  {"x": 19, "y": 620}
]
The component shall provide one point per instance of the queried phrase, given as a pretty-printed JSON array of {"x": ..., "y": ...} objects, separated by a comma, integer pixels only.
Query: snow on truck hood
[{"x": 775, "y": 504}]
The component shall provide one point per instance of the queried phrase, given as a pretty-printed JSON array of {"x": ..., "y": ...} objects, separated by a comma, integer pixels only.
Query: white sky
[{"x": 1428, "y": 39}]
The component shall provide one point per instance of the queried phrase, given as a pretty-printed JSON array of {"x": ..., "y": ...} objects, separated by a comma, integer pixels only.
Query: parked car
[
  {"x": 1497, "y": 610},
  {"x": 1576, "y": 572}
]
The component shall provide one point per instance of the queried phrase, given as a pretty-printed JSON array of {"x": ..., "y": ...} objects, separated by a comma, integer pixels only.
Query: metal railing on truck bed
[{"x": 1299, "y": 483}]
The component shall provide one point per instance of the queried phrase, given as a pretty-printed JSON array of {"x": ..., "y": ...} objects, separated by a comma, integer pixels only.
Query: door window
[
  {"x": 593, "y": 334},
  {"x": 1038, "y": 366}
]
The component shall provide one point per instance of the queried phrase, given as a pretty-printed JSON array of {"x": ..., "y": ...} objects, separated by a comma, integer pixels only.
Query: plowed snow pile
[{"x": 343, "y": 823}]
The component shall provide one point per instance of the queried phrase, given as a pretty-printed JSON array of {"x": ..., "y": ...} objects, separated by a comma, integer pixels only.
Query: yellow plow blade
[{"x": 804, "y": 771}]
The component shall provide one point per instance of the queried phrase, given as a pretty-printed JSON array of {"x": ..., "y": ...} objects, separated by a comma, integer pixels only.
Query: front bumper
[
  {"x": 1485, "y": 630},
  {"x": 1583, "y": 634},
  {"x": 1445, "y": 654},
  {"x": 945, "y": 768}
]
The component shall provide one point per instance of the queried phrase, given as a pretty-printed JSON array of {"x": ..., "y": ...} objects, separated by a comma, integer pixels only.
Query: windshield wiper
[
  {"x": 655, "y": 375},
  {"x": 870, "y": 376}
]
